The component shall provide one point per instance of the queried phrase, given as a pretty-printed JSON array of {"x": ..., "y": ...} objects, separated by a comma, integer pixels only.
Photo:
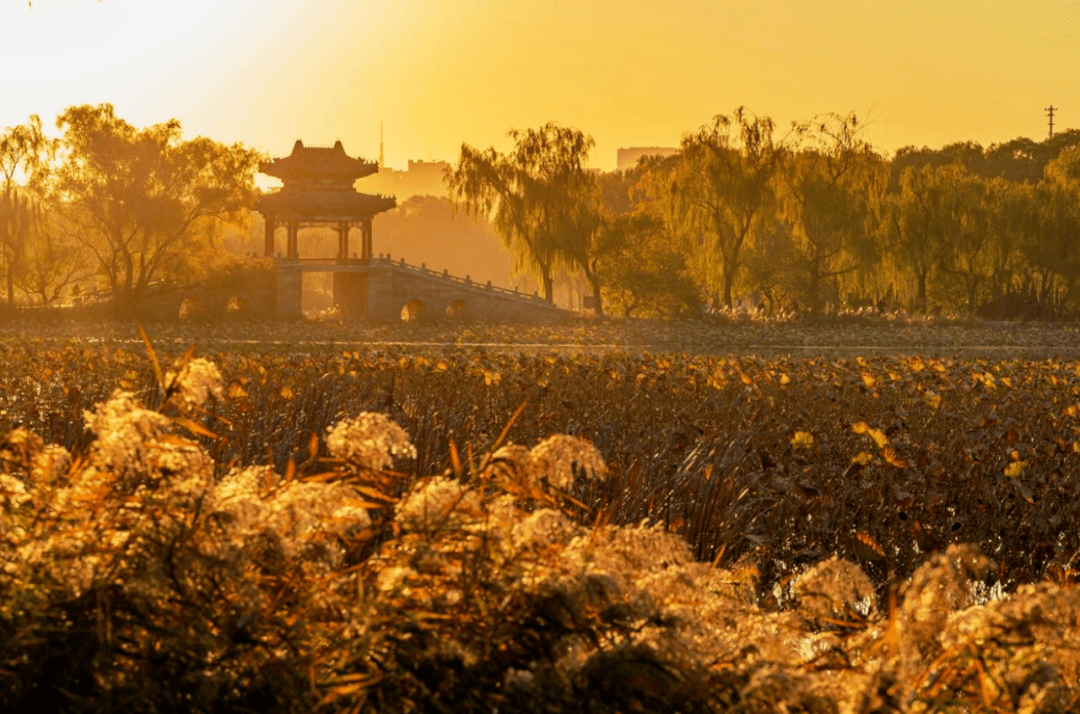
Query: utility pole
[
  {"x": 382, "y": 158},
  {"x": 1050, "y": 113}
]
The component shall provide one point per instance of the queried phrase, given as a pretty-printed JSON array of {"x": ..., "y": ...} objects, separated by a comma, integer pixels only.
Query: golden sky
[{"x": 628, "y": 72}]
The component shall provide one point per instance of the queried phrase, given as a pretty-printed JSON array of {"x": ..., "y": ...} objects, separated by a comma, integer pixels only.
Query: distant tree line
[{"x": 809, "y": 220}]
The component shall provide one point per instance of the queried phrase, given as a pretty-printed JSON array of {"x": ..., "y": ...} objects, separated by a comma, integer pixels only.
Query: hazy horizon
[{"x": 437, "y": 74}]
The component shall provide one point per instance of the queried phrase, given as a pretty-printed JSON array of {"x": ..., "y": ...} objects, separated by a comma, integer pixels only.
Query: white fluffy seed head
[
  {"x": 369, "y": 441},
  {"x": 437, "y": 502},
  {"x": 833, "y": 589},
  {"x": 127, "y": 435},
  {"x": 560, "y": 458},
  {"x": 512, "y": 462},
  {"x": 196, "y": 382}
]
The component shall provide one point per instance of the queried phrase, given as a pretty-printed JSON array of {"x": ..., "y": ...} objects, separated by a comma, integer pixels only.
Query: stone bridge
[{"x": 380, "y": 289}]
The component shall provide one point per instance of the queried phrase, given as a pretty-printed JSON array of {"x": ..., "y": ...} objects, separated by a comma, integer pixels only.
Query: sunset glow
[{"x": 630, "y": 73}]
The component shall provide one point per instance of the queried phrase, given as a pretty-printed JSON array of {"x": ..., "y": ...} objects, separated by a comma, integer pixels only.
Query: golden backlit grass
[{"x": 827, "y": 533}]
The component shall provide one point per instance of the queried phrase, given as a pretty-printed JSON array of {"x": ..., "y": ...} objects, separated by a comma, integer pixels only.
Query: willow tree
[
  {"x": 919, "y": 218},
  {"x": 834, "y": 186},
  {"x": 1013, "y": 221},
  {"x": 725, "y": 185},
  {"x": 645, "y": 272},
  {"x": 24, "y": 156},
  {"x": 533, "y": 196},
  {"x": 970, "y": 259},
  {"x": 145, "y": 201},
  {"x": 1052, "y": 248}
]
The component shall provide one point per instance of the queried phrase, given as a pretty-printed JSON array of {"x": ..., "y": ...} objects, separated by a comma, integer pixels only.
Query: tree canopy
[
  {"x": 24, "y": 155},
  {"x": 816, "y": 219},
  {"x": 726, "y": 185},
  {"x": 145, "y": 201},
  {"x": 811, "y": 220},
  {"x": 535, "y": 196}
]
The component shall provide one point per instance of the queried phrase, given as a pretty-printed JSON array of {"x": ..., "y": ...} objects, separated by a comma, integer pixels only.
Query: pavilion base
[
  {"x": 289, "y": 290},
  {"x": 351, "y": 295}
]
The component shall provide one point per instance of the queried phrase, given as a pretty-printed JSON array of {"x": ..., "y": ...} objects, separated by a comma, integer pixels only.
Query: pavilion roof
[
  {"x": 316, "y": 161},
  {"x": 322, "y": 205}
]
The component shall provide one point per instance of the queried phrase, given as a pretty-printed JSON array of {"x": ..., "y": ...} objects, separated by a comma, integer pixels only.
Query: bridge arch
[
  {"x": 238, "y": 305},
  {"x": 191, "y": 309},
  {"x": 413, "y": 310},
  {"x": 457, "y": 309}
]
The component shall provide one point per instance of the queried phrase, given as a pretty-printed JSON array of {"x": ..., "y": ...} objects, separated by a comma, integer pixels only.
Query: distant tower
[
  {"x": 1050, "y": 113},
  {"x": 382, "y": 158}
]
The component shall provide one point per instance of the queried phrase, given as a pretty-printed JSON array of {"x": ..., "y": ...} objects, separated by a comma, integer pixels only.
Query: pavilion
[{"x": 318, "y": 191}]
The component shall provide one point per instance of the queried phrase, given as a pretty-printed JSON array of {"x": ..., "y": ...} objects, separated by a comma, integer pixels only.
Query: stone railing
[{"x": 382, "y": 261}]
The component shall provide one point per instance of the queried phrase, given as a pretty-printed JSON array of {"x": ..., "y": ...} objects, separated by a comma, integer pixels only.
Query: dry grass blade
[
  {"x": 174, "y": 386},
  {"x": 985, "y": 692},
  {"x": 152, "y": 355},
  {"x": 376, "y": 494},
  {"x": 455, "y": 459},
  {"x": 509, "y": 425},
  {"x": 195, "y": 427}
]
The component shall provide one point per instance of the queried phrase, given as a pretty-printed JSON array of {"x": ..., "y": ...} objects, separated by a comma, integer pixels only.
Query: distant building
[
  {"x": 628, "y": 158},
  {"x": 422, "y": 178}
]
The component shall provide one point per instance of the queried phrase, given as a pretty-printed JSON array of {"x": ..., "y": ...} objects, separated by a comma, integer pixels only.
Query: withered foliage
[{"x": 394, "y": 530}]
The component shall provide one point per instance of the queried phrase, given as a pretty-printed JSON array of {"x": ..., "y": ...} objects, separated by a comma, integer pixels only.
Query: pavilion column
[
  {"x": 291, "y": 249},
  {"x": 268, "y": 241},
  {"x": 343, "y": 241},
  {"x": 365, "y": 232}
]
